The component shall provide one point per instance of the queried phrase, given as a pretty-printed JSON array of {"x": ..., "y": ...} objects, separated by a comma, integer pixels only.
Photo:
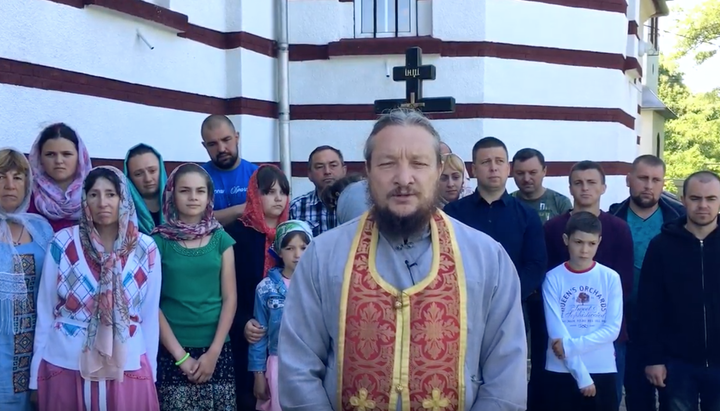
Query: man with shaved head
[
  {"x": 230, "y": 173},
  {"x": 645, "y": 211},
  {"x": 679, "y": 301}
]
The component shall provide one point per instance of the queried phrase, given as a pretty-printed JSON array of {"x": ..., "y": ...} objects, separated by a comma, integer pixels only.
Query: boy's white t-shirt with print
[{"x": 585, "y": 309}]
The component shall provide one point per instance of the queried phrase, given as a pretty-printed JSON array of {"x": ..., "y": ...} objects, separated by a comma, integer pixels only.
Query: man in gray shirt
[
  {"x": 528, "y": 170},
  {"x": 404, "y": 308}
]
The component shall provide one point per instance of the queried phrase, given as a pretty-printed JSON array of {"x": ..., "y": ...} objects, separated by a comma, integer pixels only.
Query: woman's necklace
[
  {"x": 19, "y": 239},
  {"x": 202, "y": 240}
]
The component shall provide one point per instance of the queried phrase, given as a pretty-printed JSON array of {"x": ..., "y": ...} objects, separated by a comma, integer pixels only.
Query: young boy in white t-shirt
[{"x": 583, "y": 308}]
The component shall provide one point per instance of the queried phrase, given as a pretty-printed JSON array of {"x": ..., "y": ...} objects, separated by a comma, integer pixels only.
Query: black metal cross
[{"x": 413, "y": 74}]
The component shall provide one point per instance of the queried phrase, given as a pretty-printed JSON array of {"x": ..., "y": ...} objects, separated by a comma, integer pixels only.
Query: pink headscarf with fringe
[{"x": 50, "y": 201}]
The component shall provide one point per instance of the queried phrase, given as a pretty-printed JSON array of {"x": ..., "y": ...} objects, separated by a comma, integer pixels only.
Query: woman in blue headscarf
[{"x": 145, "y": 171}]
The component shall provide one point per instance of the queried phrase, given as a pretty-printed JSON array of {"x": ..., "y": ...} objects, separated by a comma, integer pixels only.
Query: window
[
  {"x": 653, "y": 32},
  {"x": 385, "y": 18}
]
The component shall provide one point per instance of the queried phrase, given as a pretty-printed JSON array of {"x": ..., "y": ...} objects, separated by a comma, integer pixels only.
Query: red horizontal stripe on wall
[
  {"x": 363, "y": 47},
  {"x": 31, "y": 75}
]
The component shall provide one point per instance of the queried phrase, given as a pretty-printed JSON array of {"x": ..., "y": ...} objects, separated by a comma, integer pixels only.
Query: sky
[{"x": 699, "y": 78}]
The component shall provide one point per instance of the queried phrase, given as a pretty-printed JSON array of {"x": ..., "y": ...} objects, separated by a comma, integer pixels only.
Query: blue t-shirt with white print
[{"x": 230, "y": 185}]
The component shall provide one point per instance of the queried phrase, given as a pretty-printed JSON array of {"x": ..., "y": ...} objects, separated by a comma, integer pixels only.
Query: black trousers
[
  {"x": 566, "y": 395},
  {"x": 244, "y": 379},
  {"x": 538, "y": 349}
]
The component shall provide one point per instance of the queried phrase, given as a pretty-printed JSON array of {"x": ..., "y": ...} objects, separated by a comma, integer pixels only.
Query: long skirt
[
  {"x": 60, "y": 389},
  {"x": 273, "y": 404},
  {"x": 177, "y": 393}
]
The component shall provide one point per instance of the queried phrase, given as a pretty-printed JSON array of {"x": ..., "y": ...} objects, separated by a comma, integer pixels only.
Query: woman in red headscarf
[{"x": 266, "y": 207}]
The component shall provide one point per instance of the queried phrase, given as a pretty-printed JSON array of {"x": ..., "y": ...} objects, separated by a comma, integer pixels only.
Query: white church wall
[
  {"x": 320, "y": 22},
  {"x": 101, "y": 43},
  {"x": 109, "y": 127},
  {"x": 208, "y": 13},
  {"x": 518, "y": 22},
  {"x": 252, "y": 75},
  {"x": 105, "y": 44},
  {"x": 97, "y": 42},
  {"x": 500, "y": 21},
  {"x": 468, "y": 79},
  {"x": 257, "y": 17}
]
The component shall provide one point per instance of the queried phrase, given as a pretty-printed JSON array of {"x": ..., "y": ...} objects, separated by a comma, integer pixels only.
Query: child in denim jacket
[{"x": 291, "y": 239}]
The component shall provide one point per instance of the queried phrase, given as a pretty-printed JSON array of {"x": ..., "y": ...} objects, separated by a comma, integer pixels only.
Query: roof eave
[{"x": 661, "y": 8}]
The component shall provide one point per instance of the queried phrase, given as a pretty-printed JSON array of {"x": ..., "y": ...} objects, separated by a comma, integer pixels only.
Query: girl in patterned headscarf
[
  {"x": 198, "y": 302},
  {"x": 59, "y": 162},
  {"x": 24, "y": 239},
  {"x": 291, "y": 239},
  {"x": 97, "y": 315}
]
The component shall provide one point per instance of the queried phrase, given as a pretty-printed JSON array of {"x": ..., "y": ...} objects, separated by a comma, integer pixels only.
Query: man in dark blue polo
[
  {"x": 496, "y": 213},
  {"x": 516, "y": 226}
]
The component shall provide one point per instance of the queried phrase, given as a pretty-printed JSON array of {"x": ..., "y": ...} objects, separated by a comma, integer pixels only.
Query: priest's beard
[{"x": 406, "y": 225}]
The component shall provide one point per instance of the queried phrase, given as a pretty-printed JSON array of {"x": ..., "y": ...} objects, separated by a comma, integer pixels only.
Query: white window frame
[{"x": 358, "y": 21}]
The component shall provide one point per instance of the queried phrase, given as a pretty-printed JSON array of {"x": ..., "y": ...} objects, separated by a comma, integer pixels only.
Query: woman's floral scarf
[
  {"x": 104, "y": 352},
  {"x": 50, "y": 200},
  {"x": 175, "y": 229}
]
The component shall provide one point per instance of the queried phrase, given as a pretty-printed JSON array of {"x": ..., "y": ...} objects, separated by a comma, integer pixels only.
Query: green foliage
[
  {"x": 692, "y": 141},
  {"x": 699, "y": 31}
]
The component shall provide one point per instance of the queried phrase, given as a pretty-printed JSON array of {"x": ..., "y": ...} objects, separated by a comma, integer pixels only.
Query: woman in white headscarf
[
  {"x": 454, "y": 180},
  {"x": 24, "y": 239}
]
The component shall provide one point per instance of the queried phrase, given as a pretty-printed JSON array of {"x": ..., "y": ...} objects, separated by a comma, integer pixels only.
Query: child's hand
[
  {"x": 206, "y": 367},
  {"x": 253, "y": 331},
  {"x": 188, "y": 367},
  {"x": 588, "y": 391},
  {"x": 557, "y": 347},
  {"x": 261, "y": 387}
]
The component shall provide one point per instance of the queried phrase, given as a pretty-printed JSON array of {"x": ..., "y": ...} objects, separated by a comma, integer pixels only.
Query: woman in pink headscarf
[{"x": 59, "y": 162}]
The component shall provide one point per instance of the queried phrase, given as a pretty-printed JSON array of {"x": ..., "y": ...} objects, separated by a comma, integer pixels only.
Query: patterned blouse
[
  {"x": 16, "y": 350},
  {"x": 66, "y": 301}
]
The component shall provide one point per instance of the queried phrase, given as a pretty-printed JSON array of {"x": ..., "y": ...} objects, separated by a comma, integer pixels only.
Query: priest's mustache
[{"x": 402, "y": 192}]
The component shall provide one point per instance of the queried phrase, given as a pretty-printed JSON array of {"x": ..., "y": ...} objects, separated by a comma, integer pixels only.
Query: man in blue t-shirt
[{"x": 230, "y": 173}]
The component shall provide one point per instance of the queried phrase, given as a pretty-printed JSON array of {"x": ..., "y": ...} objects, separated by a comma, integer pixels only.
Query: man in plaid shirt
[{"x": 325, "y": 166}]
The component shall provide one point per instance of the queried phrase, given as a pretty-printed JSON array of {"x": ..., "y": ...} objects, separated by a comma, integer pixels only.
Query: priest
[{"x": 404, "y": 308}]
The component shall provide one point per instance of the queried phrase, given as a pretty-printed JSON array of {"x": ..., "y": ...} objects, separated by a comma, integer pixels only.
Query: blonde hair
[
  {"x": 14, "y": 160},
  {"x": 454, "y": 162}
]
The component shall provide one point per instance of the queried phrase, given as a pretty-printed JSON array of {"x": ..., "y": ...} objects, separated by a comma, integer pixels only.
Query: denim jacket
[{"x": 269, "y": 305}]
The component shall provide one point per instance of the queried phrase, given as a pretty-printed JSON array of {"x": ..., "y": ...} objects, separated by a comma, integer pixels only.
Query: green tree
[
  {"x": 698, "y": 31},
  {"x": 692, "y": 141}
]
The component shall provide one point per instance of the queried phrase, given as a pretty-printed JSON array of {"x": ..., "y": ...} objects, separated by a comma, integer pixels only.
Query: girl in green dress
[{"x": 198, "y": 298}]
